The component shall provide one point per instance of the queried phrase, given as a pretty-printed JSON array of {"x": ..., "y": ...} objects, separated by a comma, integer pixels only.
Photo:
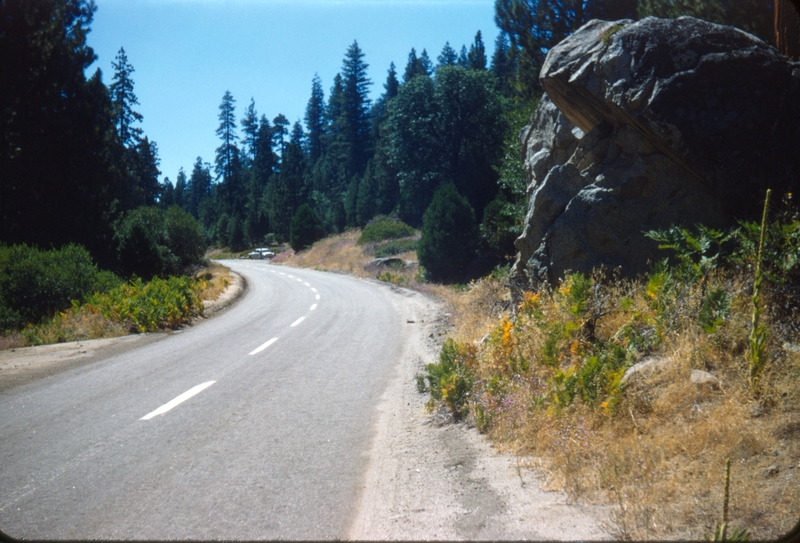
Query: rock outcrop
[{"x": 647, "y": 124}]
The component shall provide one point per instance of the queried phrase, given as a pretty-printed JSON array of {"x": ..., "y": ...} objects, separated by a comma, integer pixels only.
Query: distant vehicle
[{"x": 261, "y": 253}]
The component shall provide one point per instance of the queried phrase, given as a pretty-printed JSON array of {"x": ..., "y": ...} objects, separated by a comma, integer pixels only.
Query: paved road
[{"x": 253, "y": 425}]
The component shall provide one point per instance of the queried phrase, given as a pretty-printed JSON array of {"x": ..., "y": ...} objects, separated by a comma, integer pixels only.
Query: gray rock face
[{"x": 649, "y": 124}]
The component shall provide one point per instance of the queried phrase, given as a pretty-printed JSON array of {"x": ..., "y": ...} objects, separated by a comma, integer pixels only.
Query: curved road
[{"x": 253, "y": 425}]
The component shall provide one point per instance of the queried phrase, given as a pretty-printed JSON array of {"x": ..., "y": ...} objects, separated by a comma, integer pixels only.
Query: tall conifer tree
[
  {"x": 123, "y": 98},
  {"x": 315, "y": 120}
]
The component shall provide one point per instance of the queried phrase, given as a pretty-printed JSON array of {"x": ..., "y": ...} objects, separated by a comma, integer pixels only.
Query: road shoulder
[{"x": 447, "y": 482}]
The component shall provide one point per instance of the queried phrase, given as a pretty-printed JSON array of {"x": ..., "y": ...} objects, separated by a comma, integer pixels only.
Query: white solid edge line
[
  {"x": 177, "y": 401},
  {"x": 313, "y": 307},
  {"x": 264, "y": 346},
  {"x": 298, "y": 321}
]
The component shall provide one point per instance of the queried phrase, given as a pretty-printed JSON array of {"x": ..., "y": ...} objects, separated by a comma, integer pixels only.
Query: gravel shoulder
[{"x": 446, "y": 482}]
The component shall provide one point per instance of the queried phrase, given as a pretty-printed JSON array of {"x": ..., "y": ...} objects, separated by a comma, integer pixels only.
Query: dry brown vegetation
[
  {"x": 654, "y": 447},
  {"x": 341, "y": 254}
]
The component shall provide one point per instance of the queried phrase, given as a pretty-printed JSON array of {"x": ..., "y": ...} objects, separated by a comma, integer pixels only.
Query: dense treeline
[
  {"x": 354, "y": 158},
  {"x": 74, "y": 164}
]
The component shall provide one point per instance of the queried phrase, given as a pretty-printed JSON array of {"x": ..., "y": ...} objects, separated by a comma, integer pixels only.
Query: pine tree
[
  {"x": 123, "y": 98},
  {"x": 463, "y": 59},
  {"x": 146, "y": 173},
  {"x": 448, "y": 56},
  {"x": 198, "y": 189},
  {"x": 228, "y": 161},
  {"x": 502, "y": 65},
  {"x": 249, "y": 133},
  {"x": 476, "y": 58},
  {"x": 306, "y": 228},
  {"x": 412, "y": 66},
  {"x": 315, "y": 120},
  {"x": 227, "y": 133},
  {"x": 357, "y": 107},
  {"x": 280, "y": 130},
  {"x": 425, "y": 63},
  {"x": 449, "y": 236},
  {"x": 265, "y": 159},
  {"x": 392, "y": 85},
  {"x": 421, "y": 65},
  {"x": 180, "y": 190}
]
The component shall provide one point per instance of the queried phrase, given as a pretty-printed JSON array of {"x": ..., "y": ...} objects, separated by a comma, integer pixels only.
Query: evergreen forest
[{"x": 76, "y": 167}]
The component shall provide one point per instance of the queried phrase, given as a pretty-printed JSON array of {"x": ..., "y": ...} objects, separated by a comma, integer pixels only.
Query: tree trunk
[{"x": 787, "y": 27}]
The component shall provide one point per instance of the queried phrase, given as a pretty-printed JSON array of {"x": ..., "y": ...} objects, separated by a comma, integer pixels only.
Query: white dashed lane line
[
  {"x": 177, "y": 401},
  {"x": 264, "y": 346},
  {"x": 298, "y": 321},
  {"x": 313, "y": 307}
]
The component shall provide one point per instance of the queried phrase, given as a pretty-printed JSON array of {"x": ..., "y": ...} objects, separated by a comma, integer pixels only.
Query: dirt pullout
[
  {"x": 429, "y": 482},
  {"x": 24, "y": 364}
]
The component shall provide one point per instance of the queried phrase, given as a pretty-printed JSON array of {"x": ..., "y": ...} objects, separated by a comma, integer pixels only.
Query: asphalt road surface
[{"x": 255, "y": 424}]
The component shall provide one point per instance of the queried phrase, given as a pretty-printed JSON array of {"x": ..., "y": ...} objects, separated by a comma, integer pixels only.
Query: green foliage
[
  {"x": 696, "y": 254},
  {"x": 152, "y": 242},
  {"x": 146, "y": 307},
  {"x": 449, "y": 236},
  {"x": 383, "y": 228},
  {"x": 696, "y": 257},
  {"x": 35, "y": 284},
  {"x": 395, "y": 247},
  {"x": 306, "y": 228},
  {"x": 450, "y": 380}
]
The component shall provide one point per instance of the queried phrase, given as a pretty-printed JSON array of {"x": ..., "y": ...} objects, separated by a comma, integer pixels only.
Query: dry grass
[
  {"x": 656, "y": 448},
  {"x": 340, "y": 254},
  {"x": 217, "y": 278}
]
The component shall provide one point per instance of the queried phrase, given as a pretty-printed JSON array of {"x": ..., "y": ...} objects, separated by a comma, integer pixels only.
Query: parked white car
[{"x": 261, "y": 253}]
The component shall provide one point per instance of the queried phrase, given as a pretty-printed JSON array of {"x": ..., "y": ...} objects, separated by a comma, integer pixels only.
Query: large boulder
[{"x": 648, "y": 124}]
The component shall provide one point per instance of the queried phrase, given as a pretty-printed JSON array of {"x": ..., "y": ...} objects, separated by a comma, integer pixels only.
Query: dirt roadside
[
  {"x": 429, "y": 482},
  {"x": 22, "y": 365}
]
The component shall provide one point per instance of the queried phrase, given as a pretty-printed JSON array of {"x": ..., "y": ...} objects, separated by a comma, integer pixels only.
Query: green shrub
[
  {"x": 449, "y": 236},
  {"x": 160, "y": 303},
  {"x": 450, "y": 380},
  {"x": 35, "y": 284},
  {"x": 395, "y": 247},
  {"x": 152, "y": 242},
  {"x": 383, "y": 228},
  {"x": 306, "y": 228}
]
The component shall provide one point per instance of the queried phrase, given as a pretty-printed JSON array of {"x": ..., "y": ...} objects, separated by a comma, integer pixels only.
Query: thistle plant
[
  {"x": 721, "y": 532},
  {"x": 758, "y": 332}
]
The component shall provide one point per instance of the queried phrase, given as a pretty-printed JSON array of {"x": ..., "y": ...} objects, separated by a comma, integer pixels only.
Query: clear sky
[{"x": 187, "y": 53}]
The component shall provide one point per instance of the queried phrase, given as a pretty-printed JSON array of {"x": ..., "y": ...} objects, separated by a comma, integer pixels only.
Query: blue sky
[{"x": 187, "y": 53}]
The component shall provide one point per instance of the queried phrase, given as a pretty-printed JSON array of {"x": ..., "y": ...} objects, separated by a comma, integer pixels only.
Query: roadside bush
[
  {"x": 146, "y": 307},
  {"x": 449, "y": 236},
  {"x": 35, "y": 284},
  {"x": 383, "y": 228},
  {"x": 152, "y": 242},
  {"x": 305, "y": 229},
  {"x": 395, "y": 247}
]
